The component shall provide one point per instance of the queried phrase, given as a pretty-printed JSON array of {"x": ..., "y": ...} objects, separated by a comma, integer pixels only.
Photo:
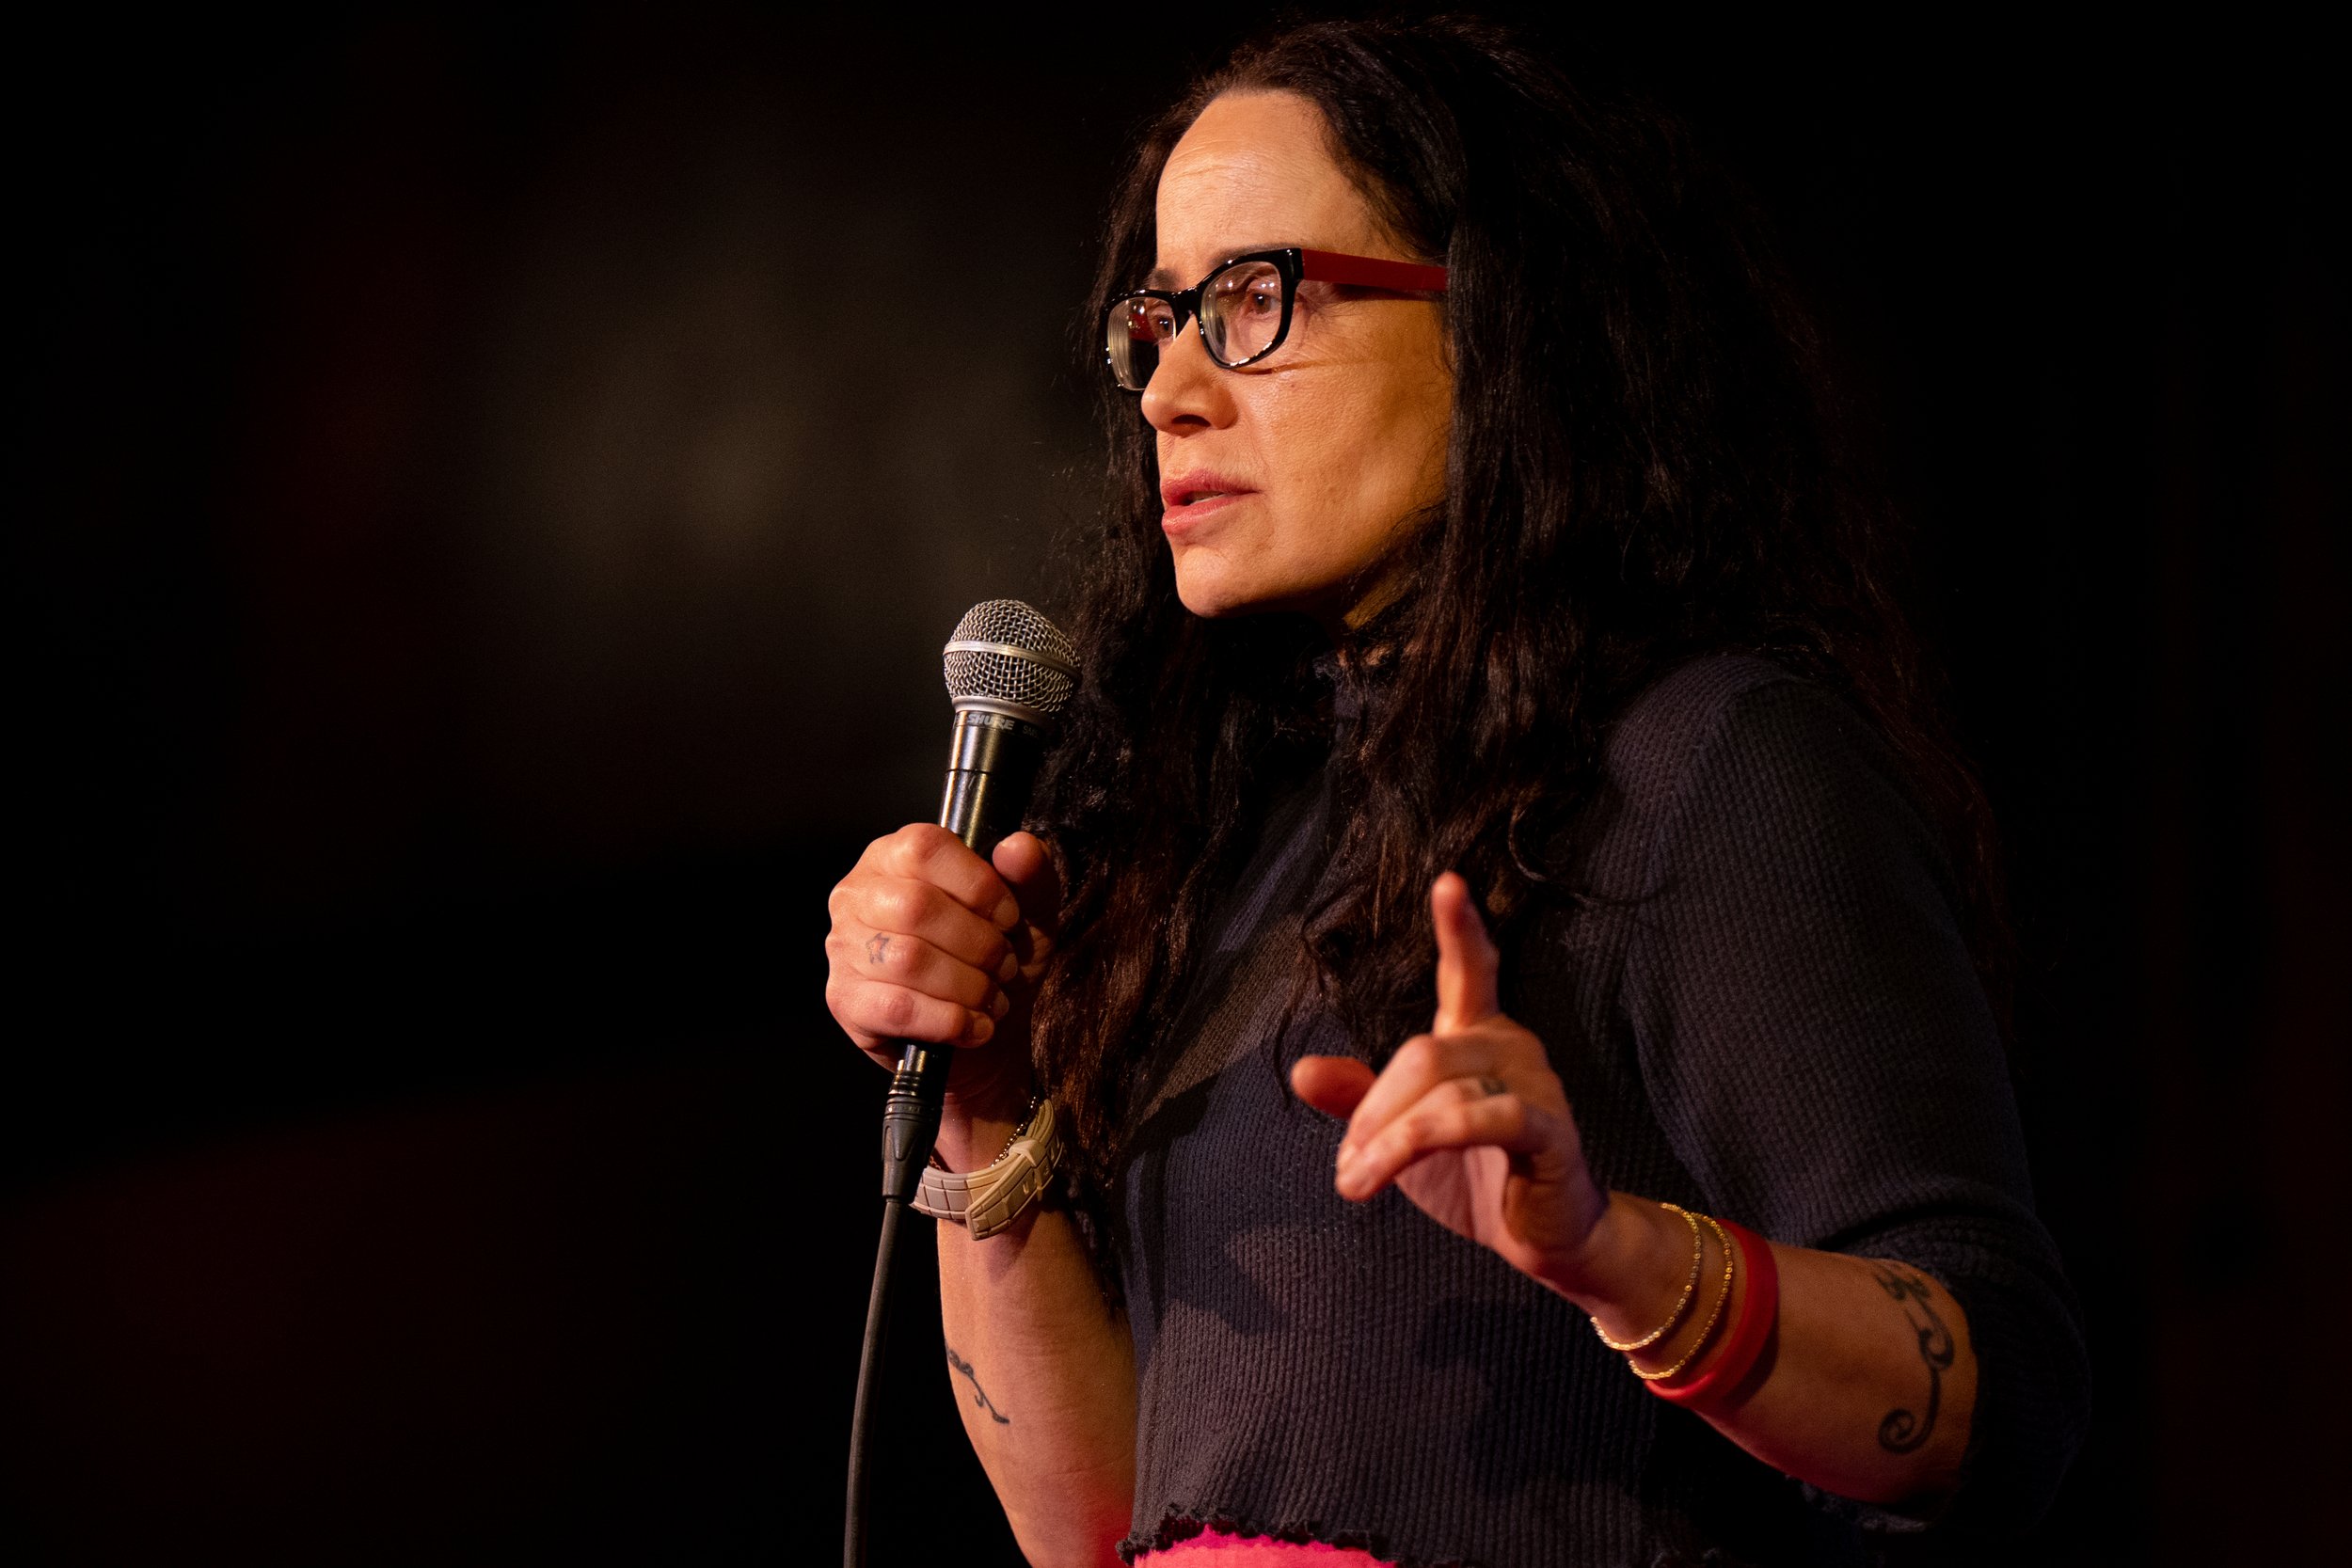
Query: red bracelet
[{"x": 1758, "y": 1312}]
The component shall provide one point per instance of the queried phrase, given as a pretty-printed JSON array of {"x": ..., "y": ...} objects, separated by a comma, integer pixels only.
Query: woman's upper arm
[
  {"x": 1811, "y": 1026},
  {"x": 1822, "y": 1055}
]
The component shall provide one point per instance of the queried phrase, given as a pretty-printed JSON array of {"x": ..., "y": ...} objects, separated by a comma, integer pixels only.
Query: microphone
[{"x": 1009, "y": 672}]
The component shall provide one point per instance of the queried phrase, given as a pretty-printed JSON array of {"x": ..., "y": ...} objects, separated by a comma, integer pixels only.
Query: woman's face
[{"x": 1290, "y": 483}]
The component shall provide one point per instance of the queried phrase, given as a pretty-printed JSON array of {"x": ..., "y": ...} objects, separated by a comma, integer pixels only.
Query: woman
[{"x": 1476, "y": 539}]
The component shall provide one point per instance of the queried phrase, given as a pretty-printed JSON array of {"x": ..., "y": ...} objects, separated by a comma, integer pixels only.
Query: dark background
[{"x": 489, "y": 493}]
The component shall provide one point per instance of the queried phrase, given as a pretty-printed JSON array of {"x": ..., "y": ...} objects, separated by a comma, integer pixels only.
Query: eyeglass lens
[
  {"x": 1139, "y": 332},
  {"x": 1242, "y": 311},
  {"x": 1243, "y": 315}
]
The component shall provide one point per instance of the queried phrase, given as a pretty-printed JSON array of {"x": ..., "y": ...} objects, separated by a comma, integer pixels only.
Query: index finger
[
  {"x": 1468, "y": 962},
  {"x": 930, "y": 854}
]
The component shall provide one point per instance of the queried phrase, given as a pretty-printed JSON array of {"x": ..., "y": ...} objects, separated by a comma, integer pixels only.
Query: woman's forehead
[{"x": 1255, "y": 170}]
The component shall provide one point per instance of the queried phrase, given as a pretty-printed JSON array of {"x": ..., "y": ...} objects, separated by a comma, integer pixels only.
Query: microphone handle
[{"x": 991, "y": 764}]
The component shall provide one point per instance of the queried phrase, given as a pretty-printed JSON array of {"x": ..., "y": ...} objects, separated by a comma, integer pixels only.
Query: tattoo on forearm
[
  {"x": 979, "y": 1395},
  {"x": 1904, "y": 1431},
  {"x": 875, "y": 949}
]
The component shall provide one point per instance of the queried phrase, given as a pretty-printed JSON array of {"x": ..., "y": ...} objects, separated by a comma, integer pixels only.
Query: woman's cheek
[{"x": 1381, "y": 482}]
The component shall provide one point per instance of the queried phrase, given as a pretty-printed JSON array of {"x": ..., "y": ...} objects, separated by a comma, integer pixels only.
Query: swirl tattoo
[
  {"x": 1904, "y": 1431},
  {"x": 979, "y": 1395}
]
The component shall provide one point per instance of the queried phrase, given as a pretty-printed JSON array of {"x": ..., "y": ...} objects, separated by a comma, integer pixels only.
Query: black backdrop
[{"x": 488, "y": 492}]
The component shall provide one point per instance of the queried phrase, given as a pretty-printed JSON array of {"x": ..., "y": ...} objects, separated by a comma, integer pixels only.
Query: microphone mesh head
[{"x": 1031, "y": 666}]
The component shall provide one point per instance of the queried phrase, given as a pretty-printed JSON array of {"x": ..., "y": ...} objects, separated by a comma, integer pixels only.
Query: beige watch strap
[{"x": 988, "y": 1200}]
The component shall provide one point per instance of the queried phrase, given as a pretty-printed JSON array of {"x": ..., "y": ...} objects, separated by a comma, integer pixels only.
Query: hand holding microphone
[
  {"x": 932, "y": 943},
  {"x": 940, "y": 931}
]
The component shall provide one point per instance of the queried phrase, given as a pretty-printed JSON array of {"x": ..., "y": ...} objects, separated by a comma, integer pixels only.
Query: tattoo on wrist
[
  {"x": 979, "y": 1395},
  {"x": 1904, "y": 1431}
]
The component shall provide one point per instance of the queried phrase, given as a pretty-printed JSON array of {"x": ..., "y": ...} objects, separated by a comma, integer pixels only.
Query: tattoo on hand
[
  {"x": 1904, "y": 1431},
  {"x": 875, "y": 949},
  {"x": 980, "y": 1396}
]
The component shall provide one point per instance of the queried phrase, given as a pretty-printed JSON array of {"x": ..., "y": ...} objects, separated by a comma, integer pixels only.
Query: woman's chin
[
  {"x": 1217, "y": 594},
  {"x": 1212, "y": 594}
]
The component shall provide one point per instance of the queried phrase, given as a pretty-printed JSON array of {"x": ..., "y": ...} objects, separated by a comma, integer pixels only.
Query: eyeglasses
[{"x": 1243, "y": 308}]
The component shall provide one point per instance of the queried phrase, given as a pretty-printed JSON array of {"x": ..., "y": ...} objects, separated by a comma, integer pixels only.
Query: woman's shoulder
[
  {"x": 1750, "y": 746},
  {"x": 1736, "y": 698}
]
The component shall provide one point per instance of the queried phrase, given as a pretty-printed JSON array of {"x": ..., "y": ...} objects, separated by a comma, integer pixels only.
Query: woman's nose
[{"x": 1187, "y": 389}]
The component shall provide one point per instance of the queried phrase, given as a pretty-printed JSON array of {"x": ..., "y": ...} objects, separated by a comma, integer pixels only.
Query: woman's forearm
[
  {"x": 1871, "y": 1381},
  {"x": 1045, "y": 1377}
]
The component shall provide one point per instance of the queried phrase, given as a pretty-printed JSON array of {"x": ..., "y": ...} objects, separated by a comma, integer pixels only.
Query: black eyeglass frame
[{"x": 1294, "y": 265}]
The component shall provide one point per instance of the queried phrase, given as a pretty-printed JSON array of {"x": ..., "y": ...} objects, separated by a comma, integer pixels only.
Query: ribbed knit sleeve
[{"x": 1820, "y": 1053}]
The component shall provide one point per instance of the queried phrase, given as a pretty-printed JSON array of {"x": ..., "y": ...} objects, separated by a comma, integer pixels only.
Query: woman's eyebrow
[{"x": 1165, "y": 277}]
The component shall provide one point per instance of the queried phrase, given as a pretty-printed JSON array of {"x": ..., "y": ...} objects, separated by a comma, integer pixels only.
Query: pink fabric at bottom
[{"x": 1215, "y": 1549}]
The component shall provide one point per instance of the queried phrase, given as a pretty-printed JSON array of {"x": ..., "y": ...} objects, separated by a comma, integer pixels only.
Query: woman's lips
[{"x": 1193, "y": 499}]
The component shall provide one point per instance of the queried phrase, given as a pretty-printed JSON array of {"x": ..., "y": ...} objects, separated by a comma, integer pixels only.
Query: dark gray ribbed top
[{"x": 1767, "y": 1013}]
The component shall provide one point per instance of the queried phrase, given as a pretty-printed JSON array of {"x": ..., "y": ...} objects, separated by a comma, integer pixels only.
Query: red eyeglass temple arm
[{"x": 1365, "y": 272}]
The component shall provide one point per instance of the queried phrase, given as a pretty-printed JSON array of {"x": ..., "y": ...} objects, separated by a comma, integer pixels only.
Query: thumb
[
  {"x": 1333, "y": 1085},
  {"x": 1467, "y": 960},
  {"x": 1027, "y": 868}
]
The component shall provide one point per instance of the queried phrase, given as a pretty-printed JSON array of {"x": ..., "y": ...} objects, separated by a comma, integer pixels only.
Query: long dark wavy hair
[{"x": 1643, "y": 466}]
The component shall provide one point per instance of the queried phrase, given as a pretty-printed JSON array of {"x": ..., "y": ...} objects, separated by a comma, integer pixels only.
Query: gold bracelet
[
  {"x": 1731, "y": 1267},
  {"x": 1698, "y": 1249}
]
